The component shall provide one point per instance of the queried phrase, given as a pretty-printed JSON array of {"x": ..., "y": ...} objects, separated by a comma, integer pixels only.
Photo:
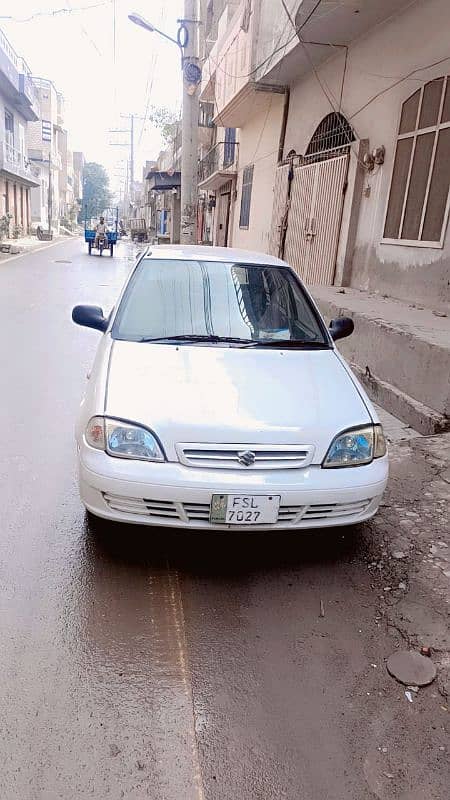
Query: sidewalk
[
  {"x": 400, "y": 352},
  {"x": 27, "y": 244}
]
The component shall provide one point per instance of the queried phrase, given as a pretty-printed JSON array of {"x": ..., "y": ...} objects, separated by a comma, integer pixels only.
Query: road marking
[{"x": 180, "y": 631}]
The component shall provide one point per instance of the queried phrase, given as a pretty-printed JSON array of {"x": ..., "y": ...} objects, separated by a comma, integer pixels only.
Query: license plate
[{"x": 244, "y": 509}]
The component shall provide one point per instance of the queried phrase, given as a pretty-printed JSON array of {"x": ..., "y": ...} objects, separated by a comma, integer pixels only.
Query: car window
[{"x": 166, "y": 298}]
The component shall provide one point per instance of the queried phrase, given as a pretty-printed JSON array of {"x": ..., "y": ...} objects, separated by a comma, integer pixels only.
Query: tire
[
  {"x": 89, "y": 248},
  {"x": 111, "y": 250}
]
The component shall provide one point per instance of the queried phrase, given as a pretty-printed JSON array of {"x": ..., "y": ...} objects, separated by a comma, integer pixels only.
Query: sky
[{"x": 101, "y": 75}]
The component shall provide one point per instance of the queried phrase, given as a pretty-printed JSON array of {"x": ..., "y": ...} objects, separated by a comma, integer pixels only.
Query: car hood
[{"x": 204, "y": 394}]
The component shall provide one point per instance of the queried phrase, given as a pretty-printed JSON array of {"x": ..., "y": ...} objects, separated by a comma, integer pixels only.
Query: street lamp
[
  {"x": 187, "y": 42},
  {"x": 138, "y": 19}
]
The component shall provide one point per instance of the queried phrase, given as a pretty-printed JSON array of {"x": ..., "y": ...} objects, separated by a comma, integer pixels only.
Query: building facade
[
  {"x": 18, "y": 107},
  {"x": 47, "y": 147},
  {"x": 342, "y": 162}
]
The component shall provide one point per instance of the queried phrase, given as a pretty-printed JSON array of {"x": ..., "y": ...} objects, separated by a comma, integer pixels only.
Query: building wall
[
  {"x": 394, "y": 49},
  {"x": 39, "y": 150},
  {"x": 18, "y": 119},
  {"x": 258, "y": 145}
]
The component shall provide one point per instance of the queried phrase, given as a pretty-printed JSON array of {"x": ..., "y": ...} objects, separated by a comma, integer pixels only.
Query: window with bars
[
  {"x": 333, "y": 133},
  {"x": 417, "y": 209},
  {"x": 247, "y": 182}
]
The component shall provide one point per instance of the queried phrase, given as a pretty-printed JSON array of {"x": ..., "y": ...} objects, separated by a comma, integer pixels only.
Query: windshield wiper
[
  {"x": 195, "y": 337},
  {"x": 287, "y": 343}
]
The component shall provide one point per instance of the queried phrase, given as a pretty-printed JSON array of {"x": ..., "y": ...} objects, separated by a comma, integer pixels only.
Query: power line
[
  {"x": 57, "y": 12},
  {"x": 271, "y": 98},
  {"x": 150, "y": 80},
  {"x": 83, "y": 29},
  {"x": 396, "y": 83},
  {"x": 273, "y": 53},
  {"x": 337, "y": 110}
]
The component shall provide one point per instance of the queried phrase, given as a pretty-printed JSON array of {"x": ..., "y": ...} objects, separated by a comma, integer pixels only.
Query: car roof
[{"x": 207, "y": 253}]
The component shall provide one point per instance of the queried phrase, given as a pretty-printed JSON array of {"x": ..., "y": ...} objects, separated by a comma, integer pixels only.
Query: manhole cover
[{"x": 411, "y": 668}]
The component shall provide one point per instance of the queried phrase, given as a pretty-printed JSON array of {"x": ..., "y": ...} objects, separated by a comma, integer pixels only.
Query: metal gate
[
  {"x": 309, "y": 220},
  {"x": 223, "y": 214}
]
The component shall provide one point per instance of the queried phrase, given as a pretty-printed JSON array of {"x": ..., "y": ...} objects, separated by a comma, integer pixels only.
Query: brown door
[{"x": 223, "y": 218}]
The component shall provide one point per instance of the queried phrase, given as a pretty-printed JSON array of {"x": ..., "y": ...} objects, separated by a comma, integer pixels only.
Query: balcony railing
[
  {"x": 16, "y": 163},
  {"x": 222, "y": 158},
  {"x": 9, "y": 50}
]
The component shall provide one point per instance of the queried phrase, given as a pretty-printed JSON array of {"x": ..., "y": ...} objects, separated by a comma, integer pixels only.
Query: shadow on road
[{"x": 221, "y": 555}]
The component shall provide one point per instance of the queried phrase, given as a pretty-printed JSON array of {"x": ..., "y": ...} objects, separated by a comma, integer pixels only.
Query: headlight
[
  {"x": 122, "y": 439},
  {"x": 356, "y": 447}
]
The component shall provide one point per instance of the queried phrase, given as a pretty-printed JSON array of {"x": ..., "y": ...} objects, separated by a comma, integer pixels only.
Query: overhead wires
[
  {"x": 56, "y": 12},
  {"x": 150, "y": 81}
]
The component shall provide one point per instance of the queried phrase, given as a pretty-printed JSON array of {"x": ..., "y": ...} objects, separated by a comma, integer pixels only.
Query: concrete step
[{"x": 401, "y": 353}]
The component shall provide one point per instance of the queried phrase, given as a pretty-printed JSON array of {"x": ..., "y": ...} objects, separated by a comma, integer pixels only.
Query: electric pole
[
  {"x": 132, "y": 157},
  {"x": 189, "y": 130},
  {"x": 49, "y": 196},
  {"x": 130, "y": 145}
]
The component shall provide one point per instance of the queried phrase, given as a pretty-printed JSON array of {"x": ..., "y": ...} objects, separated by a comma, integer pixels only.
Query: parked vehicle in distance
[
  {"x": 218, "y": 400},
  {"x": 138, "y": 230}
]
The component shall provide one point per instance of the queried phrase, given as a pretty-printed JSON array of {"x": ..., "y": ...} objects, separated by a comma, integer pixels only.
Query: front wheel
[
  {"x": 111, "y": 250},
  {"x": 89, "y": 248}
]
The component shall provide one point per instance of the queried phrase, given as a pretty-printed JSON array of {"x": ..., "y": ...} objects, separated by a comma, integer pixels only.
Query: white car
[{"x": 218, "y": 401}]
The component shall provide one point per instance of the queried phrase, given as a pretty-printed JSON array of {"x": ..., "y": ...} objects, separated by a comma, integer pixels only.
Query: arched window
[
  {"x": 417, "y": 210},
  {"x": 334, "y": 132}
]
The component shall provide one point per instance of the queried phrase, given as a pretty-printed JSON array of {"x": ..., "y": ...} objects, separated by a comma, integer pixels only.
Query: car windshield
[{"x": 216, "y": 301}]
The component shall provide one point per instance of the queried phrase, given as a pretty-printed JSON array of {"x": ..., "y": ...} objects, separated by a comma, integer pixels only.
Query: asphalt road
[{"x": 146, "y": 664}]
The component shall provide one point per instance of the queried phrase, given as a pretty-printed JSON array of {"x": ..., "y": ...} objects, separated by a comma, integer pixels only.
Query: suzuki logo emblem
[{"x": 247, "y": 458}]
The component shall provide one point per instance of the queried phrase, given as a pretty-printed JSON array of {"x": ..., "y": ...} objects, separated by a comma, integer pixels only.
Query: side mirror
[
  {"x": 341, "y": 327},
  {"x": 90, "y": 317}
]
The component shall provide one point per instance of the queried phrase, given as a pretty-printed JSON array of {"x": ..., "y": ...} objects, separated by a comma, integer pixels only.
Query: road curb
[{"x": 37, "y": 248}]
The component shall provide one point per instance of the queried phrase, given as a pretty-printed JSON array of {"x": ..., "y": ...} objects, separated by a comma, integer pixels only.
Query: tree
[
  {"x": 96, "y": 194},
  {"x": 166, "y": 121}
]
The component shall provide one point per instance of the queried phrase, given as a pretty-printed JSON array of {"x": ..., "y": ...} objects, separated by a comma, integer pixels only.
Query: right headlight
[
  {"x": 123, "y": 439},
  {"x": 356, "y": 447}
]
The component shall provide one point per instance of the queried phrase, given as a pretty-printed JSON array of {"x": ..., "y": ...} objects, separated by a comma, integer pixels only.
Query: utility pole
[
  {"x": 130, "y": 145},
  {"x": 189, "y": 130},
  {"x": 49, "y": 196},
  {"x": 132, "y": 157},
  {"x": 188, "y": 43}
]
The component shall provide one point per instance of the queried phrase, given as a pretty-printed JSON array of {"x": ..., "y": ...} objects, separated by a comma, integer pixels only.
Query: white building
[
  {"x": 357, "y": 80},
  {"x": 18, "y": 107},
  {"x": 45, "y": 144}
]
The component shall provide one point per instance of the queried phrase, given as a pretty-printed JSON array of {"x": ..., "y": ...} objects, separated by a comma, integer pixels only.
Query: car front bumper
[{"x": 177, "y": 496}]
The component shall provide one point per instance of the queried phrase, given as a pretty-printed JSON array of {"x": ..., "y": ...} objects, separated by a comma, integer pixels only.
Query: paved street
[{"x": 143, "y": 664}]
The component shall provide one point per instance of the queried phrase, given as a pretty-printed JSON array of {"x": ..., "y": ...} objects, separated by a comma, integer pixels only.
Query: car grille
[
  {"x": 165, "y": 510},
  {"x": 227, "y": 456}
]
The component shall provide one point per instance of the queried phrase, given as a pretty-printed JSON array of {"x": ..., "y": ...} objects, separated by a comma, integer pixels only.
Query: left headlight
[
  {"x": 123, "y": 439},
  {"x": 356, "y": 447}
]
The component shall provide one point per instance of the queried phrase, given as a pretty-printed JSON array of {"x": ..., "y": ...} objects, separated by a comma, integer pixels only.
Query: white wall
[
  {"x": 258, "y": 145},
  {"x": 415, "y": 38}
]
